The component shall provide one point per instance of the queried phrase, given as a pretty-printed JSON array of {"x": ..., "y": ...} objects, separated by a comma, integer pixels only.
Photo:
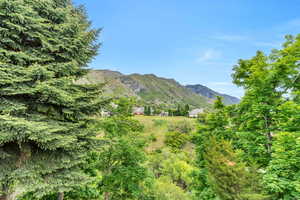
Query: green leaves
[
  {"x": 263, "y": 128},
  {"x": 282, "y": 177},
  {"x": 121, "y": 159}
]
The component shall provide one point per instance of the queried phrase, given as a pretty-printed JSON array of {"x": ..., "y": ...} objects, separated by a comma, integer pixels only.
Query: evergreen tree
[
  {"x": 178, "y": 111},
  {"x": 147, "y": 110},
  {"x": 214, "y": 124},
  {"x": 230, "y": 178},
  {"x": 186, "y": 110},
  {"x": 150, "y": 110},
  {"x": 44, "y": 115},
  {"x": 218, "y": 104}
]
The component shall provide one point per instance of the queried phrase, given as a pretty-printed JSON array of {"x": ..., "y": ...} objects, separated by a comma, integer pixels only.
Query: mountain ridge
[
  {"x": 206, "y": 91},
  {"x": 152, "y": 89}
]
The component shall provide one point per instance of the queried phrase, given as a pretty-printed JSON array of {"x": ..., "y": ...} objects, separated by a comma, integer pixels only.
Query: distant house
[
  {"x": 138, "y": 110},
  {"x": 194, "y": 113}
]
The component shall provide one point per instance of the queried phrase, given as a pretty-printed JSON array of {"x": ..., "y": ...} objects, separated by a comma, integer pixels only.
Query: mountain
[
  {"x": 150, "y": 89},
  {"x": 207, "y": 92},
  {"x": 162, "y": 91}
]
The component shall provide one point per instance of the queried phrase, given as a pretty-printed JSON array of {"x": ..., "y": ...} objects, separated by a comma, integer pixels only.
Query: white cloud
[{"x": 209, "y": 55}]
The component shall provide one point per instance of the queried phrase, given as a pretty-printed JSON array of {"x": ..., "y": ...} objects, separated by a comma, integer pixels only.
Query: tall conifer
[{"x": 44, "y": 115}]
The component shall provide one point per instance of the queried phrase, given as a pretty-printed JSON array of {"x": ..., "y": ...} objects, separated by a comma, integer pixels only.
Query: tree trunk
[
  {"x": 25, "y": 154},
  {"x": 268, "y": 134},
  {"x": 18, "y": 191},
  {"x": 61, "y": 196},
  {"x": 269, "y": 145},
  {"x": 106, "y": 195}
]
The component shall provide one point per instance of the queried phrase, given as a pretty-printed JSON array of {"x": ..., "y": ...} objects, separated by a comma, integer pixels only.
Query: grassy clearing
[{"x": 156, "y": 127}]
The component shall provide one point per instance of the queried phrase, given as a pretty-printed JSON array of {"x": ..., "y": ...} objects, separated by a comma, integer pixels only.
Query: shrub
[
  {"x": 179, "y": 134},
  {"x": 176, "y": 140},
  {"x": 181, "y": 127},
  {"x": 152, "y": 138}
]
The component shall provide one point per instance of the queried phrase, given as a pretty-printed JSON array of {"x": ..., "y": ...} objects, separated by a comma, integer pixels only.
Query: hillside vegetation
[
  {"x": 151, "y": 89},
  {"x": 55, "y": 144},
  {"x": 156, "y": 128}
]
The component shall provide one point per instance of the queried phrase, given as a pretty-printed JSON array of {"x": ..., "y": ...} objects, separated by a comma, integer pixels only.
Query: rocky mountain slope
[
  {"x": 207, "y": 92},
  {"x": 151, "y": 89}
]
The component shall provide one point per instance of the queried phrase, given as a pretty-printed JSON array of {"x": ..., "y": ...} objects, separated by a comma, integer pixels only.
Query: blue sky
[{"x": 192, "y": 41}]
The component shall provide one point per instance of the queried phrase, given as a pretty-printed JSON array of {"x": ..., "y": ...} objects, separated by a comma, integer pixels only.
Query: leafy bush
[
  {"x": 181, "y": 127},
  {"x": 152, "y": 138},
  {"x": 176, "y": 140},
  {"x": 165, "y": 189},
  {"x": 179, "y": 134}
]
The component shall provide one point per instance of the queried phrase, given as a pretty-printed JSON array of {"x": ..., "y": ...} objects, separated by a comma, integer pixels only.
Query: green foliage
[
  {"x": 218, "y": 104},
  {"x": 180, "y": 127},
  {"x": 45, "y": 117},
  {"x": 173, "y": 174},
  {"x": 152, "y": 138},
  {"x": 270, "y": 106},
  {"x": 176, "y": 140},
  {"x": 180, "y": 110},
  {"x": 229, "y": 177},
  {"x": 123, "y": 175},
  {"x": 179, "y": 134},
  {"x": 166, "y": 190},
  {"x": 147, "y": 111},
  {"x": 282, "y": 178},
  {"x": 88, "y": 191},
  {"x": 124, "y": 106}
]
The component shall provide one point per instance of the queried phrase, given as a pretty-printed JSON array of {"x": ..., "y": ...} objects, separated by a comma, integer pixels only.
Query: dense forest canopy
[{"x": 54, "y": 144}]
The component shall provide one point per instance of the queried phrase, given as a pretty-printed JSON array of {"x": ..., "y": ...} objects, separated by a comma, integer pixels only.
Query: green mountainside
[{"x": 148, "y": 89}]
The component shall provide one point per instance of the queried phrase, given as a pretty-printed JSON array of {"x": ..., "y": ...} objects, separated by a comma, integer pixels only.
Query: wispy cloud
[
  {"x": 209, "y": 55},
  {"x": 231, "y": 38}
]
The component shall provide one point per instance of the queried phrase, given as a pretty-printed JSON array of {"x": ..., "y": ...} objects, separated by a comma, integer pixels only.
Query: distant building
[
  {"x": 194, "y": 113},
  {"x": 138, "y": 110}
]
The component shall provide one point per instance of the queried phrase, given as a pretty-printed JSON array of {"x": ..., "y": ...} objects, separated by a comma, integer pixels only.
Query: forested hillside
[
  {"x": 152, "y": 89},
  {"x": 55, "y": 144}
]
